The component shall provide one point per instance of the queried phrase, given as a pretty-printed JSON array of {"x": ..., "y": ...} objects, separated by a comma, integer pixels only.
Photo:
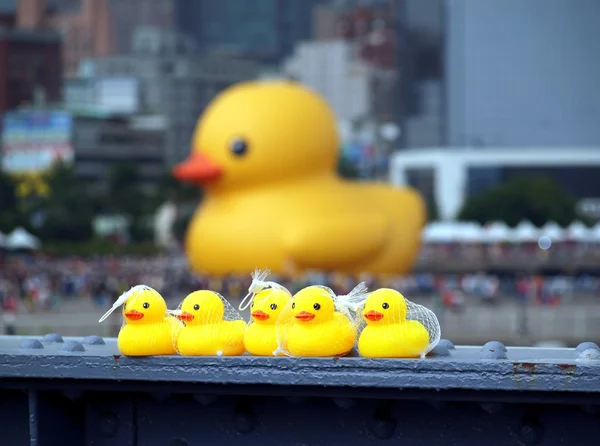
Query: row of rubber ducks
[{"x": 315, "y": 322}]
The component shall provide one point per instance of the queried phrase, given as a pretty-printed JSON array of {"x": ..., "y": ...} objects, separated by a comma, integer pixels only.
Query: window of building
[{"x": 424, "y": 181}]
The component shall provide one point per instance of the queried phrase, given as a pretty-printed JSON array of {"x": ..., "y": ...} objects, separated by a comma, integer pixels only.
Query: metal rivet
[
  {"x": 492, "y": 408},
  {"x": 382, "y": 425},
  {"x": 586, "y": 346},
  {"x": 243, "y": 421},
  {"x": 160, "y": 396},
  {"x": 447, "y": 343},
  {"x": 440, "y": 351},
  {"x": 109, "y": 424},
  {"x": 296, "y": 399},
  {"x": 591, "y": 354},
  {"x": 72, "y": 346},
  {"x": 345, "y": 403},
  {"x": 33, "y": 344},
  {"x": 178, "y": 442},
  {"x": 205, "y": 400},
  {"x": 53, "y": 338},
  {"x": 493, "y": 350},
  {"x": 72, "y": 394},
  {"x": 531, "y": 432},
  {"x": 93, "y": 340}
]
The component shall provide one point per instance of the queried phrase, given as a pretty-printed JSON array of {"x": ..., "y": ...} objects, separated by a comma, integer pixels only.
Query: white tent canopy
[
  {"x": 497, "y": 232},
  {"x": 578, "y": 232},
  {"x": 553, "y": 231},
  {"x": 468, "y": 232},
  {"x": 526, "y": 232},
  {"x": 595, "y": 233},
  {"x": 439, "y": 232},
  {"x": 21, "y": 239}
]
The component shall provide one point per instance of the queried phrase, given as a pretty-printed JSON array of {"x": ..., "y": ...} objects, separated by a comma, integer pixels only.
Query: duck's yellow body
[
  {"x": 206, "y": 333},
  {"x": 408, "y": 339},
  {"x": 333, "y": 338},
  {"x": 148, "y": 339},
  {"x": 388, "y": 333},
  {"x": 260, "y": 338},
  {"x": 267, "y": 152},
  {"x": 219, "y": 339}
]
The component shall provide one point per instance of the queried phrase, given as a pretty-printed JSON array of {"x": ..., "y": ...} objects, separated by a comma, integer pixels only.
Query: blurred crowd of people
[{"x": 39, "y": 283}]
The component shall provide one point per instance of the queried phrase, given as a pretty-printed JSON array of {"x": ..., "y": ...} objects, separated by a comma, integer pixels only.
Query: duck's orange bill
[
  {"x": 185, "y": 316},
  {"x": 374, "y": 315},
  {"x": 260, "y": 315},
  {"x": 198, "y": 168},
  {"x": 305, "y": 316},
  {"x": 134, "y": 315}
]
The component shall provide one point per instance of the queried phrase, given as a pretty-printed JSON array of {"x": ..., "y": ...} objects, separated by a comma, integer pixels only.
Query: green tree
[
  {"x": 68, "y": 210},
  {"x": 9, "y": 204},
  {"x": 347, "y": 169},
  {"x": 538, "y": 199},
  {"x": 432, "y": 209}
]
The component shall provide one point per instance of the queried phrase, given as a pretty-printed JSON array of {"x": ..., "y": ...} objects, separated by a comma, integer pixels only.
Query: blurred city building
[
  {"x": 128, "y": 16},
  {"x": 264, "y": 30},
  {"x": 30, "y": 67},
  {"x": 523, "y": 74},
  {"x": 85, "y": 25},
  {"x": 174, "y": 80},
  {"x": 450, "y": 176},
  {"x": 103, "y": 140}
]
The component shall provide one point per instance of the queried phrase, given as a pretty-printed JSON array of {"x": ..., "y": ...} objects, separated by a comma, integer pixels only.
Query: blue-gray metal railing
[{"x": 81, "y": 391}]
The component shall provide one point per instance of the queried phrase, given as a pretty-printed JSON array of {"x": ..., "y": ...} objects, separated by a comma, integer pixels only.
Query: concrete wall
[{"x": 523, "y": 72}]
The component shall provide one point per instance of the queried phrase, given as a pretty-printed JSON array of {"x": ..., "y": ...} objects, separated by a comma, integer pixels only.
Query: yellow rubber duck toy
[
  {"x": 388, "y": 333},
  {"x": 148, "y": 330},
  {"x": 266, "y": 151},
  {"x": 208, "y": 330},
  {"x": 313, "y": 325},
  {"x": 260, "y": 338}
]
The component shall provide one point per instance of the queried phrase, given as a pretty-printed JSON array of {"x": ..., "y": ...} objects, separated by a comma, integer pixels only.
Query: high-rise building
[{"x": 265, "y": 30}]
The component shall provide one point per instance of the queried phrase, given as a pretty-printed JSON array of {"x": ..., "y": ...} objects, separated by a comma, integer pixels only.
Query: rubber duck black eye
[
  {"x": 273, "y": 307},
  {"x": 317, "y": 306},
  {"x": 385, "y": 305},
  {"x": 239, "y": 147},
  {"x": 293, "y": 305},
  {"x": 146, "y": 305},
  {"x": 196, "y": 307}
]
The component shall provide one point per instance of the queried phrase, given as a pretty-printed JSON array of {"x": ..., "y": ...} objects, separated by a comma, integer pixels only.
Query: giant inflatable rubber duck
[{"x": 265, "y": 153}]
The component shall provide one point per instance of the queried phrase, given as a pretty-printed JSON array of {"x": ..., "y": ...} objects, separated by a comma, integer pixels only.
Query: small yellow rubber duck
[
  {"x": 388, "y": 333},
  {"x": 208, "y": 330},
  {"x": 147, "y": 330},
  {"x": 260, "y": 338},
  {"x": 313, "y": 325}
]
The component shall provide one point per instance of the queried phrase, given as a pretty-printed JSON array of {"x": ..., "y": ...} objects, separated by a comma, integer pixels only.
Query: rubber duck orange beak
[
  {"x": 260, "y": 315},
  {"x": 305, "y": 316},
  {"x": 185, "y": 316},
  {"x": 373, "y": 316},
  {"x": 134, "y": 315},
  {"x": 198, "y": 168}
]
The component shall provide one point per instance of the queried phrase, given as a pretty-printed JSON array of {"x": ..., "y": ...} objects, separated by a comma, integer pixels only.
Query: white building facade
[{"x": 449, "y": 176}]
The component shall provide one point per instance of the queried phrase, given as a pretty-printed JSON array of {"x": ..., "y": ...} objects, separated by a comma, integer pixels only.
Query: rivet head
[
  {"x": 30, "y": 344},
  {"x": 72, "y": 346},
  {"x": 493, "y": 350},
  {"x": 109, "y": 424},
  {"x": 344, "y": 403},
  {"x": 440, "y": 351},
  {"x": 93, "y": 340},
  {"x": 382, "y": 425},
  {"x": 586, "y": 346},
  {"x": 244, "y": 421},
  {"x": 447, "y": 343},
  {"x": 53, "y": 338},
  {"x": 591, "y": 354},
  {"x": 205, "y": 400},
  {"x": 531, "y": 432}
]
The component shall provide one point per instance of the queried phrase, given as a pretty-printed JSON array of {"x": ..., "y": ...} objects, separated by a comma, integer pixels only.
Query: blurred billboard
[{"x": 32, "y": 141}]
